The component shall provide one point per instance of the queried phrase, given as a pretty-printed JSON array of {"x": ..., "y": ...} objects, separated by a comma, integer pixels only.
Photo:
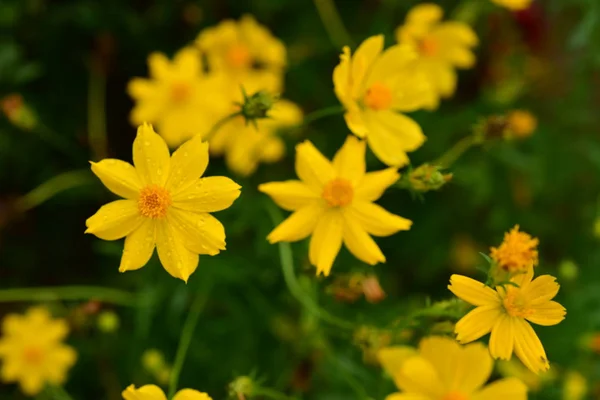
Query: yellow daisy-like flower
[
  {"x": 517, "y": 253},
  {"x": 374, "y": 86},
  {"x": 441, "y": 46},
  {"x": 153, "y": 392},
  {"x": 334, "y": 203},
  {"x": 166, "y": 204},
  {"x": 505, "y": 313},
  {"x": 32, "y": 351},
  {"x": 441, "y": 369},
  {"x": 514, "y": 5},
  {"x": 244, "y": 50},
  {"x": 179, "y": 98}
]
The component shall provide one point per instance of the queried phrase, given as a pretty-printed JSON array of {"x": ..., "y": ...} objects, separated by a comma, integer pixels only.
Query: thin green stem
[
  {"x": 317, "y": 115},
  {"x": 455, "y": 152},
  {"x": 52, "y": 187},
  {"x": 333, "y": 23},
  {"x": 186, "y": 335},
  {"x": 57, "y": 293},
  {"x": 220, "y": 124},
  {"x": 97, "y": 114}
]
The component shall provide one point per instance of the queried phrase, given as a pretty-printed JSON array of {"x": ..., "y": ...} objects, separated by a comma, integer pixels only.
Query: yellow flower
[
  {"x": 374, "y": 86},
  {"x": 514, "y": 5},
  {"x": 178, "y": 98},
  {"x": 153, "y": 392},
  {"x": 517, "y": 253},
  {"x": 334, "y": 203},
  {"x": 166, "y": 204},
  {"x": 514, "y": 368},
  {"x": 441, "y": 47},
  {"x": 505, "y": 311},
  {"x": 32, "y": 351},
  {"x": 441, "y": 369},
  {"x": 244, "y": 51},
  {"x": 521, "y": 123},
  {"x": 575, "y": 386}
]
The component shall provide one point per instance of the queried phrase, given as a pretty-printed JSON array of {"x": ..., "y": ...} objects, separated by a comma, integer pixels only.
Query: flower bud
[
  {"x": 428, "y": 177},
  {"x": 108, "y": 321},
  {"x": 257, "y": 106},
  {"x": 17, "y": 112}
]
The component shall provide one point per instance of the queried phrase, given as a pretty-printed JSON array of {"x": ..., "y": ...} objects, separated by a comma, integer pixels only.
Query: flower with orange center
[
  {"x": 441, "y": 369},
  {"x": 505, "y": 311},
  {"x": 375, "y": 86},
  {"x": 32, "y": 351},
  {"x": 166, "y": 204},
  {"x": 517, "y": 253},
  {"x": 441, "y": 47},
  {"x": 153, "y": 392},
  {"x": 333, "y": 201}
]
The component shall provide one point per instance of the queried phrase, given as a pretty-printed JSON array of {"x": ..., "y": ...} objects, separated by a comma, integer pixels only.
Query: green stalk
[
  {"x": 455, "y": 152},
  {"x": 220, "y": 124},
  {"x": 333, "y": 23},
  {"x": 41, "y": 294}
]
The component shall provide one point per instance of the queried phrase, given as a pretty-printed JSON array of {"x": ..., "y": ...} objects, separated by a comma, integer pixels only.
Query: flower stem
[
  {"x": 333, "y": 23},
  {"x": 456, "y": 151},
  {"x": 316, "y": 115},
  {"x": 97, "y": 114},
  {"x": 186, "y": 335},
  {"x": 57, "y": 293},
  {"x": 220, "y": 124},
  {"x": 52, "y": 187}
]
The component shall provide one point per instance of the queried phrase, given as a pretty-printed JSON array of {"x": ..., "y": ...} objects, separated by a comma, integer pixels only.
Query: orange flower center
[
  {"x": 154, "y": 201},
  {"x": 238, "y": 56},
  {"x": 455, "y": 396},
  {"x": 515, "y": 304},
  {"x": 338, "y": 192},
  {"x": 33, "y": 355},
  {"x": 428, "y": 46},
  {"x": 378, "y": 97},
  {"x": 517, "y": 253},
  {"x": 180, "y": 92}
]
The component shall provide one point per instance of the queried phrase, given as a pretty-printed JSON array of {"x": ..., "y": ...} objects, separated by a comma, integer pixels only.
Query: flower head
[
  {"x": 517, "y": 253},
  {"x": 32, "y": 351},
  {"x": 505, "y": 312},
  {"x": 514, "y": 5},
  {"x": 374, "y": 86},
  {"x": 166, "y": 204},
  {"x": 333, "y": 201},
  {"x": 521, "y": 124},
  {"x": 442, "y": 369},
  {"x": 153, "y": 392},
  {"x": 441, "y": 47}
]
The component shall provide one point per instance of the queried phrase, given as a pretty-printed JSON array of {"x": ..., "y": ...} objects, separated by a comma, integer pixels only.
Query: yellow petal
[
  {"x": 360, "y": 244},
  {"x": 391, "y": 135},
  {"x": 407, "y": 396},
  {"x": 502, "y": 338},
  {"x": 355, "y": 123},
  {"x": 119, "y": 177},
  {"x": 188, "y": 63},
  {"x": 326, "y": 241},
  {"x": 210, "y": 194},
  {"x": 189, "y": 394},
  {"x": 297, "y": 226},
  {"x": 509, "y": 388},
  {"x": 424, "y": 14},
  {"x": 444, "y": 354},
  {"x": 139, "y": 246},
  {"x": 150, "y": 156},
  {"x": 460, "y": 57},
  {"x": 541, "y": 290},
  {"x": 146, "y": 392},
  {"x": 391, "y": 63},
  {"x": 376, "y": 220},
  {"x": 349, "y": 161},
  {"x": 312, "y": 167},
  {"x": 363, "y": 60},
  {"x": 442, "y": 76},
  {"x": 31, "y": 384},
  {"x": 524, "y": 280},
  {"x": 115, "y": 220},
  {"x": 457, "y": 32},
  {"x": 417, "y": 375},
  {"x": 373, "y": 184},
  {"x": 477, "y": 323},
  {"x": 188, "y": 163},
  {"x": 174, "y": 256},
  {"x": 201, "y": 232},
  {"x": 472, "y": 291},
  {"x": 547, "y": 314},
  {"x": 342, "y": 80},
  {"x": 473, "y": 368},
  {"x": 159, "y": 66},
  {"x": 289, "y": 195},
  {"x": 528, "y": 347},
  {"x": 392, "y": 358}
]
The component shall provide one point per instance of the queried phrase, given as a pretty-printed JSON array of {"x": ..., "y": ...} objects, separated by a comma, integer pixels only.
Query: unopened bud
[
  {"x": 428, "y": 177},
  {"x": 372, "y": 289},
  {"x": 521, "y": 124},
  {"x": 257, "y": 106},
  {"x": 17, "y": 112},
  {"x": 241, "y": 387}
]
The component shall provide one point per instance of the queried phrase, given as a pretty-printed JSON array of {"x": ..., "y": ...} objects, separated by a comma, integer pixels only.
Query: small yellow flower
[
  {"x": 521, "y": 124},
  {"x": 505, "y": 311},
  {"x": 441, "y": 369},
  {"x": 243, "y": 51},
  {"x": 334, "y": 203},
  {"x": 32, "y": 351},
  {"x": 153, "y": 392},
  {"x": 179, "y": 98},
  {"x": 575, "y": 386},
  {"x": 514, "y": 5},
  {"x": 517, "y": 253},
  {"x": 166, "y": 204},
  {"x": 374, "y": 86},
  {"x": 441, "y": 47}
]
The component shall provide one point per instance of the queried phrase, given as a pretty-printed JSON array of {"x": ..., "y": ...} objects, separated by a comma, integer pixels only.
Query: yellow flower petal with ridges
[
  {"x": 510, "y": 388},
  {"x": 373, "y": 184},
  {"x": 115, "y": 220},
  {"x": 201, "y": 232},
  {"x": 477, "y": 323},
  {"x": 326, "y": 241},
  {"x": 502, "y": 338},
  {"x": 472, "y": 291},
  {"x": 359, "y": 243},
  {"x": 312, "y": 167},
  {"x": 297, "y": 226},
  {"x": 349, "y": 162},
  {"x": 188, "y": 164},
  {"x": 528, "y": 347},
  {"x": 210, "y": 194},
  {"x": 150, "y": 156},
  {"x": 376, "y": 220},
  {"x": 119, "y": 177},
  {"x": 417, "y": 375},
  {"x": 289, "y": 195},
  {"x": 139, "y": 246},
  {"x": 174, "y": 256}
]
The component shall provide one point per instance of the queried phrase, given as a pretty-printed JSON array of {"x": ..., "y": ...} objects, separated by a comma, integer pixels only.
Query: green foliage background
[{"x": 251, "y": 324}]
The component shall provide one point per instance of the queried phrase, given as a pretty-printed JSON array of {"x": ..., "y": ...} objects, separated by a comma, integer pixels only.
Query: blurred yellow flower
[
  {"x": 166, "y": 204},
  {"x": 517, "y": 253},
  {"x": 374, "y": 85},
  {"x": 179, "y": 98},
  {"x": 32, "y": 351},
  {"x": 505, "y": 311},
  {"x": 575, "y": 386},
  {"x": 515, "y": 5},
  {"x": 334, "y": 203},
  {"x": 153, "y": 392},
  {"x": 244, "y": 51},
  {"x": 442, "y": 369},
  {"x": 514, "y": 368},
  {"x": 441, "y": 47},
  {"x": 521, "y": 124}
]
